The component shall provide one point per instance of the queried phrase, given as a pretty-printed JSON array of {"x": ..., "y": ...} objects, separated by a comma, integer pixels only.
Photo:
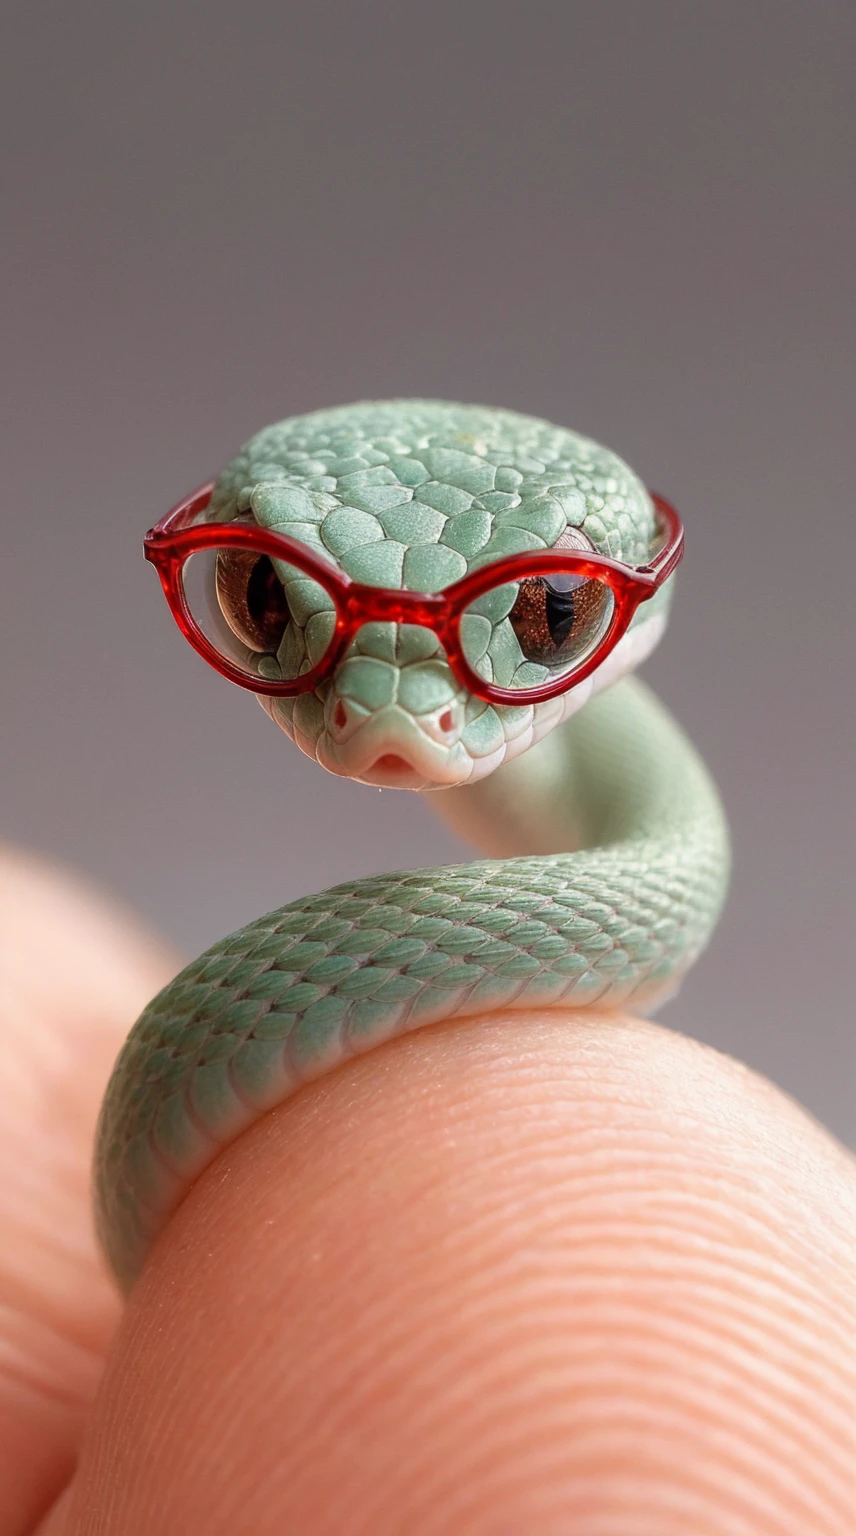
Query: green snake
[{"x": 608, "y": 851}]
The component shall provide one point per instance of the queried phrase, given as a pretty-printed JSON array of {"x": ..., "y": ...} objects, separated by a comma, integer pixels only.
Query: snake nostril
[
  {"x": 340, "y": 717},
  {"x": 445, "y": 722}
]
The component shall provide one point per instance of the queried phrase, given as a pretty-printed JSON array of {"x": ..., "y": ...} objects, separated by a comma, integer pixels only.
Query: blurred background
[{"x": 636, "y": 219}]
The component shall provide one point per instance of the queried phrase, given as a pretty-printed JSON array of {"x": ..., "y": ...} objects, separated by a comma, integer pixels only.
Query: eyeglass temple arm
[
  {"x": 183, "y": 514},
  {"x": 672, "y": 548}
]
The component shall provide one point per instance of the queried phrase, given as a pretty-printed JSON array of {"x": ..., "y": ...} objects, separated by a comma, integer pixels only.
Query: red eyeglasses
[{"x": 275, "y": 617}]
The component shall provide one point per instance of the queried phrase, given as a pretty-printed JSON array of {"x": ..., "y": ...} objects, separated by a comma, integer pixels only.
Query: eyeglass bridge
[{"x": 384, "y": 605}]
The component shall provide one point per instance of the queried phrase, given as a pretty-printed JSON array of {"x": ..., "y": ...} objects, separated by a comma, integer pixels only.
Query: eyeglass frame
[{"x": 171, "y": 542}]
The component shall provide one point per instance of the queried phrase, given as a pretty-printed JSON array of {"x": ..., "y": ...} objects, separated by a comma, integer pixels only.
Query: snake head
[{"x": 413, "y": 495}]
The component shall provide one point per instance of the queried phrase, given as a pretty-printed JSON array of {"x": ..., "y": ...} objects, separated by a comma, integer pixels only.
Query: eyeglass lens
[
  {"x": 527, "y": 633},
  {"x": 262, "y": 615}
]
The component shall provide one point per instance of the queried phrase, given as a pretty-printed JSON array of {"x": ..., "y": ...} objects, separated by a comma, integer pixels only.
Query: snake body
[{"x": 613, "y": 852}]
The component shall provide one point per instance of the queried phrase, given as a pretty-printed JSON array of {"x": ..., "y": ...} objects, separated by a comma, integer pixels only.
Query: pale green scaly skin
[{"x": 415, "y": 493}]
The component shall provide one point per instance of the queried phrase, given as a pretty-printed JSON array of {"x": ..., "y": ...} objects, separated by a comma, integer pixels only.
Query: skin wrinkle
[
  {"x": 646, "y": 1334},
  {"x": 658, "y": 1351},
  {"x": 494, "y": 1262},
  {"x": 39, "y": 1358},
  {"x": 663, "y": 1349},
  {"x": 611, "y": 1430}
]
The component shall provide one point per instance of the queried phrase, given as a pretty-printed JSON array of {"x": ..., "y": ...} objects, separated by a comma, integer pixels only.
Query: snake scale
[{"x": 609, "y": 851}]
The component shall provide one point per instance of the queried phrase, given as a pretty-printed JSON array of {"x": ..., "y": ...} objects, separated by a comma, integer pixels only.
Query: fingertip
[{"x": 542, "y": 1274}]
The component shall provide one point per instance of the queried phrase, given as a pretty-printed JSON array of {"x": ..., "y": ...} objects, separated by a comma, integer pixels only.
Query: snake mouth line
[
  {"x": 391, "y": 771},
  {"x": 394, "y": 756}
]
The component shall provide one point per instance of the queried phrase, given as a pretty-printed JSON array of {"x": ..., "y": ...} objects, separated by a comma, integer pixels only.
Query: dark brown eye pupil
[
  {"x": 252, "y": 599},
  {"x": 560, "y": 613}
]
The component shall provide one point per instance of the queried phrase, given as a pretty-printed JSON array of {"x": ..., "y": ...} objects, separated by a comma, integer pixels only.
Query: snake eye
[
  {"x": 557, "y": 618},
  {"x": 236, "y": 598},
  {"x": 526, "y": 633},
  {"x": 252, "y": 599}
]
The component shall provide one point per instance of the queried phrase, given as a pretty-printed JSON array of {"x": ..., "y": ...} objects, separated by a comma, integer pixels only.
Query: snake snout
[{"x": 396, "y": 727}]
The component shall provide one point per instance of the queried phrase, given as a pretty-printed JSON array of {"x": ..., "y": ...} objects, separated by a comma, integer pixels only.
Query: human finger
[
  {"x": 552, "y": 1273},
  {"x": 75, "y": 972}
]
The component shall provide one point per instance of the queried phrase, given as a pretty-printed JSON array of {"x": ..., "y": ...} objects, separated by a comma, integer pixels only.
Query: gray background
[{"x": 633, "y": 218}]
